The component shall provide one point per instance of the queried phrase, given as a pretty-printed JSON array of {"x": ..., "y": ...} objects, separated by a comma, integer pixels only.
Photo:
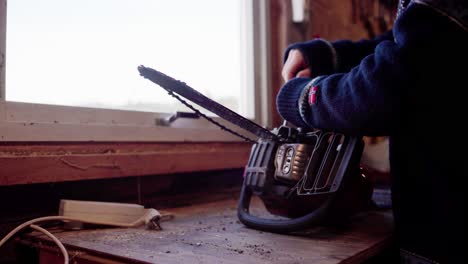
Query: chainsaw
[{"x": 305, "y": 177}]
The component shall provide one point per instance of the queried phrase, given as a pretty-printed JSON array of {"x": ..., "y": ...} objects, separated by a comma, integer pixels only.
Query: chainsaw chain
[{"x": 209, "y": 118}]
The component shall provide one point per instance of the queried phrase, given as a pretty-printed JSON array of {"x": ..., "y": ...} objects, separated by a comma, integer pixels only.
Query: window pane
[{"x": 86, "y": 53}]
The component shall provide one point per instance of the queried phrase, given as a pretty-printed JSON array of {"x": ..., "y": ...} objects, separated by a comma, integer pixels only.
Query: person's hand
[{"x": 295, "y": 66}]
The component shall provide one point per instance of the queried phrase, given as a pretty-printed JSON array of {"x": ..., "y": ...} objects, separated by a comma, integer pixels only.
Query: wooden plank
[
  {"x": 3, "y": 7},
  {"x": 70, "y": 162},
  {"x": 49, "y": 255},
  {"x": 46, "y": 132},
  {"x": 280, "y": 20},
  {"x": 18, "y": 112},
  {"x": 211, "y": 233}
]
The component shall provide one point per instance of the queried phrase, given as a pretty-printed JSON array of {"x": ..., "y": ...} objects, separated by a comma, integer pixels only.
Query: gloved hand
[{"x": 295, "y": 66}]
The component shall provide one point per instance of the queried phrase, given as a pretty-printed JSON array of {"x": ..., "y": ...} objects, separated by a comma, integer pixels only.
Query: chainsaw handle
[{"x": 316, "y": 217}]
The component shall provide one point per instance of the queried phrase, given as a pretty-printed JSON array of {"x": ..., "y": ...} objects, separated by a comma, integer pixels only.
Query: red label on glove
[{"x": 313, "y": 95}]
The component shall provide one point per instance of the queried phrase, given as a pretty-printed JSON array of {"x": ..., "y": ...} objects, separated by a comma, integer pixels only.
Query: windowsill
[
  {"x": 48, "y": 143},
  {"x": 28, "y": 122},
  {"x": 39, "y": 162}
]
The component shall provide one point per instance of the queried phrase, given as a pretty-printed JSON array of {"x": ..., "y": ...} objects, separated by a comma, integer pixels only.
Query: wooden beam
[
  {"x": 3, "y": 6},
  {"x": 279, "y": 21},
  {"x": 42, "y": 163}
]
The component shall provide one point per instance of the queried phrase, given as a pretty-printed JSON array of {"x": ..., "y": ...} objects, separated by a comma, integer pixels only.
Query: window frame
[{"x": 30, "y": 122}]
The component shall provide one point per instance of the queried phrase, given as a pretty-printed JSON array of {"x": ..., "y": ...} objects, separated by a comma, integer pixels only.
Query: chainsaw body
[
  {"x": 305, "y": 176},
  {"x": 310, "y": 178}
]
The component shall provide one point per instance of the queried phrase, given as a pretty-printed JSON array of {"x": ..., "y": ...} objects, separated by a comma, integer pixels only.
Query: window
[{"x": 70, "y": 70}]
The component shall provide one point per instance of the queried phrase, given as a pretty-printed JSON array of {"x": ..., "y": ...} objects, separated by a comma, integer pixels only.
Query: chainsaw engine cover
[{"x": 296, "y": 177}]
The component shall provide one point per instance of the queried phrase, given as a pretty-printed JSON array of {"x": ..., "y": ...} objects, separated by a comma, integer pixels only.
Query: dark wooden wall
[{"x": 328, "y": 19}]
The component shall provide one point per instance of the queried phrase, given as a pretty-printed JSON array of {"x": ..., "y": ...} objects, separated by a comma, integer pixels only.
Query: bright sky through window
[{"x": 86, "y": 52}]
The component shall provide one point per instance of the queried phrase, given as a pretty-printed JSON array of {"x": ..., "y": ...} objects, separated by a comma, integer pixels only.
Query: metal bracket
[{"x": 168, "y": 120}]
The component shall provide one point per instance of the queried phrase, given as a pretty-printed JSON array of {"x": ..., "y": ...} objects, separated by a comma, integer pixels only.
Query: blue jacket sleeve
[
  {"x": 402, "y": 78},
  {"x": 363, "y": 101},
  {"x": 349, "y": 53},
  {"x": 325, "y": 57}
]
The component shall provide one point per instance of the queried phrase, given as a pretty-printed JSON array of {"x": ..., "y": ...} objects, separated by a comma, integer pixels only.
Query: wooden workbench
[{"x": 211, "y": 233}]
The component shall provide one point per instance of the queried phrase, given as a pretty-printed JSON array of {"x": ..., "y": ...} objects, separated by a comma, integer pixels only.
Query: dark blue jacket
[{"x": 407, "y": 84}]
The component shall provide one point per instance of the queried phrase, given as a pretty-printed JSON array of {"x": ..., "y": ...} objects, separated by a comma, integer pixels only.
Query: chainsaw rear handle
[{"x": 316, "y": 217}]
